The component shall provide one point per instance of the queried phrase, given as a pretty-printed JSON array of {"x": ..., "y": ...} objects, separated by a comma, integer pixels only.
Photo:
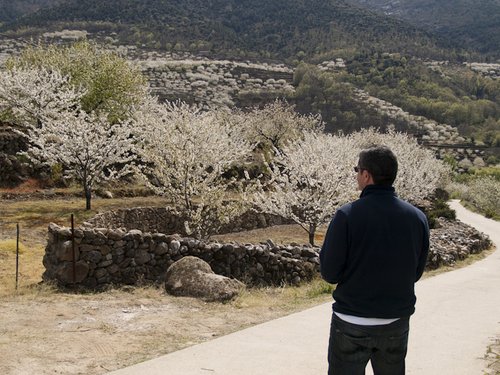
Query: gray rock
[
  {"x": 142, "y": 257},
  {"x": 175, "y": 246},
  {"x": 161, "y": 248},
  {"x": 94, "y": 256},
  {"x": 65, "y": 272},
  {"x": 193, "y": 277},
  {"x": 309, "y": 253},
  {"x": 64, "y": 251}
]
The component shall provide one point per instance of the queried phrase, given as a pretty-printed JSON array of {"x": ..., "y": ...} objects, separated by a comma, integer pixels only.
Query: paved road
[{"x": 458, "y": 313}]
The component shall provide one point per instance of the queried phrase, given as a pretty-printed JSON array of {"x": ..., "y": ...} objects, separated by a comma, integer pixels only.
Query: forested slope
[{"x": 243, "y": 28}]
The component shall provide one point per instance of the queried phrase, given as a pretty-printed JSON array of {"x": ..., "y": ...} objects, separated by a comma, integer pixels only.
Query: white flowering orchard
[
  {"x": 313, "y": 176},
  {"x": 185, "y": 154},
  {"x": 419, "y": 172},
  {"x": 310, "y": 179},
  {"x": 32, "y": 97}
]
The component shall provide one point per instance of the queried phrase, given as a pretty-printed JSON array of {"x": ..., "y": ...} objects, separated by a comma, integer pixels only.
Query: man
[{"x": 375, "y": 249}]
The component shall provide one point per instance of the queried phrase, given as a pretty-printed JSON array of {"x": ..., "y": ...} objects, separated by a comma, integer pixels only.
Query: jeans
[{"x": 352, "y": 346}]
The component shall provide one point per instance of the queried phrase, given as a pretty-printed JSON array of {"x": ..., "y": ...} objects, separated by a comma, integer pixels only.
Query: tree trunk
[
  {"x": 88, "y": 197},
  {"x": 312, "y": 232}
]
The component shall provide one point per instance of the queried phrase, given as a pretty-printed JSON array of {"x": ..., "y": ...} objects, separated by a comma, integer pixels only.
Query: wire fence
[{"x": 18, "y": 249}]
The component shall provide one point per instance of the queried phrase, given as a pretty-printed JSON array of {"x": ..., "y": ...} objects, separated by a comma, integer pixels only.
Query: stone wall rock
[
  {"x": 454, "y": 241},
  {"x": 167, "y": 220},
  {"x": 193, "y": 277},
  {"x": 118, "y": 256}
]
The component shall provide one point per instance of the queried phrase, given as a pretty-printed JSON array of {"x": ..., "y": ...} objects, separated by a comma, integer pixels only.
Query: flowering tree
[
  {"x": 313, "y": 176},
  {"x": 32, "y": 97},
  {"x": 186, "y": 153},
  {"x": 310, "y": 178},
  {"x": 278, "y": 123},
  {"x": 112, "y": 84},
  {"x": 419, "y": 172},
  {"x": 91, "y": 149}
]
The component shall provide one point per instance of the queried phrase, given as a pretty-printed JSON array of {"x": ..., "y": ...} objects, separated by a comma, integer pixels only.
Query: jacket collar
[{"x": 378, "y": 189}]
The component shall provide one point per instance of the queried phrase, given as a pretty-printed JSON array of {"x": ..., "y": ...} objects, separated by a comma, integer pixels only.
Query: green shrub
[
  {"x": 484, "y": 195},
  {"x": 440, "y": 208}
]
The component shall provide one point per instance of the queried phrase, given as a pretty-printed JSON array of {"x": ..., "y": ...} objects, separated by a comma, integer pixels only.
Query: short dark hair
[{"x": 382, "y": 164}]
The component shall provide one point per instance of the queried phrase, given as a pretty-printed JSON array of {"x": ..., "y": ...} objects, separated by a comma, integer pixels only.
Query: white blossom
[
  {"x": 310, "y": 179},
  {"x": 278, "y": 123},
  {"x": 36, "y": 96},
  {"x": 91, "y": 149},
  {"x": 419, "y": 171},
  {"x": 187, "y": 152}
]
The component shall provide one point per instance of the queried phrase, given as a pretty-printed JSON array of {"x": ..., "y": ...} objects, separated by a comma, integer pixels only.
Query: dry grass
[
  {"x": 280, "y": 234},
  {"x": 492, "y": 357},
  {"x": 11, "y": 247},
  {"x": 30, "y": 268},
  {"x": 33, "y": 217}
]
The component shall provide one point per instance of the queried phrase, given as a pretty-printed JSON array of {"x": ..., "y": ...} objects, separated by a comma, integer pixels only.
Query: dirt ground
[{"x": 56, "y": 333}]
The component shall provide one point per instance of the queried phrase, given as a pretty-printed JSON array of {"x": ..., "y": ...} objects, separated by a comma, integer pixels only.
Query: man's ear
[{"x": 368, "y": 177}]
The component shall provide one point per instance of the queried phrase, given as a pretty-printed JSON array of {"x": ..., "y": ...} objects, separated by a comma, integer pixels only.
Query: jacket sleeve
[
  {"x": 424, "y": 252},
  {"x": 333, "y": 253}
]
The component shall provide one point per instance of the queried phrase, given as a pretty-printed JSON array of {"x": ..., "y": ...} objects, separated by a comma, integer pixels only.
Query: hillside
[
  {"x": 474, "y": 24},
  {"x": 10, "y": 10},
  {"x": 241, "y": 28}
]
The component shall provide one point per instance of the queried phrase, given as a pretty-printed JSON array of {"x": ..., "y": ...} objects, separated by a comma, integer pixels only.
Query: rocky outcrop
[{"x": 193, "y": 277}]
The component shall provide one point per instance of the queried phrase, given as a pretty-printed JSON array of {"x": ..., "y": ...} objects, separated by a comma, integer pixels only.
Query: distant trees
[
  {"x": 329, "y": 95},
  {"x": 277, "y": 124},
  {"x": 451, "y": 94},
  {"x": 112, "y": 85}
]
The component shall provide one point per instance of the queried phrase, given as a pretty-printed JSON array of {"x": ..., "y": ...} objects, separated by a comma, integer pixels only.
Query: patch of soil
[{"x": 96, "y": 333}]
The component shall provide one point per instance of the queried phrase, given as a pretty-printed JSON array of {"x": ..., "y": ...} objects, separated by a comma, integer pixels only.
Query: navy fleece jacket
[{"x": 375, "y": 249}]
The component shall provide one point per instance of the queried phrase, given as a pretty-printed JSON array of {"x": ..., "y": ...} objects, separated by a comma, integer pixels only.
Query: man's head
[{"x": 376, "y": 166}]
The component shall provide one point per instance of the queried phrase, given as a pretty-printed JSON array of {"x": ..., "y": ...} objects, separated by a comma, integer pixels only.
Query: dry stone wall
[
  {"x": 130, "y": 246},
  {"x": 453, "y": 241},
  {"x": 106, "y": 257},
  {"x": 166, "y": 220},
  {"x": 138, "y": 252}
]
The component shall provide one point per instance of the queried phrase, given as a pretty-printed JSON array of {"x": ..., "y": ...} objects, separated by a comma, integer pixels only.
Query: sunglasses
[{"x": 358, "y": 169}]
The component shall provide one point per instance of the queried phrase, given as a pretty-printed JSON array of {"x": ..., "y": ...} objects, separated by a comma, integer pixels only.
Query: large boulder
[{"x": 193, "y": 277}]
